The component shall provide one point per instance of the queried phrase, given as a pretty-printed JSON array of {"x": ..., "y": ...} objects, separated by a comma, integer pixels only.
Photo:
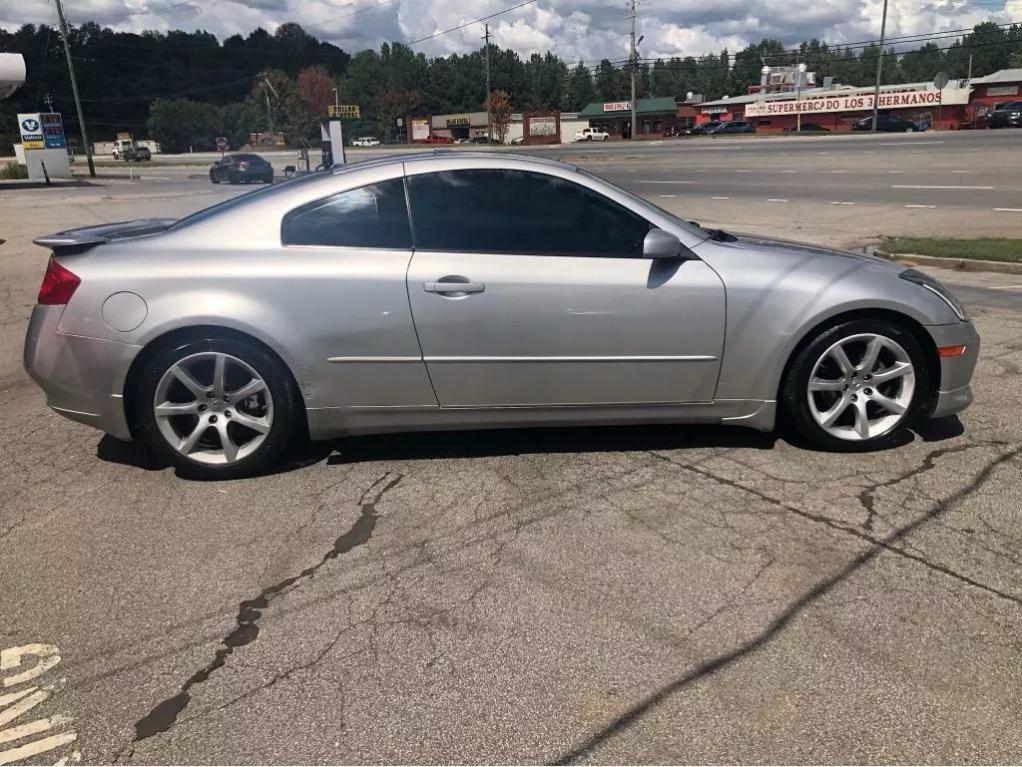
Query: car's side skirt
[{"x": 326, "y": 423}]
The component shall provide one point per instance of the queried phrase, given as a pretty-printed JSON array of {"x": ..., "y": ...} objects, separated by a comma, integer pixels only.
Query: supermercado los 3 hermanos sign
[{"x": 857, "y": 101}]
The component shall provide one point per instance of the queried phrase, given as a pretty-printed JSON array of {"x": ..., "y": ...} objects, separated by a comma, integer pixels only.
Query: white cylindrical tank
[{"x": 12, "y": 73}]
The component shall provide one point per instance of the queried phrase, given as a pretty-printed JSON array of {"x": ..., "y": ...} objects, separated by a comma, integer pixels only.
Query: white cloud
[{"x": 575, "y": 29}]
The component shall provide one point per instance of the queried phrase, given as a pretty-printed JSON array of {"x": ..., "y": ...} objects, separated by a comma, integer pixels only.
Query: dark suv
[
  {"x": 733, "y": 126},
  {"x": 886, "y": 124},
  {"x": 1006, "y": 116}
]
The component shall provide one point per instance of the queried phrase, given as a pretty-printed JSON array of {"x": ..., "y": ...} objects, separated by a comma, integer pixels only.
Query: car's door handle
[{"x": 443, "y": 287}]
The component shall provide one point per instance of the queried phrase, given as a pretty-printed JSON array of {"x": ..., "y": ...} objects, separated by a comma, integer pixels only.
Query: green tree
[{"x": 182, "y": 125}]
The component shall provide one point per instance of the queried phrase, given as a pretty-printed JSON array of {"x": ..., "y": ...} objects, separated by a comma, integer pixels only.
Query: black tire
[
  {"x": 213, "y": 177},
  {"x": 794, "y": 390},
  {"x": 287, "y": 423}
]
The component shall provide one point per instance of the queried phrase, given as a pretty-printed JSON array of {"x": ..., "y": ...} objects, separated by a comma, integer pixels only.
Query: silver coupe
[{"x": 461, "y": 291}]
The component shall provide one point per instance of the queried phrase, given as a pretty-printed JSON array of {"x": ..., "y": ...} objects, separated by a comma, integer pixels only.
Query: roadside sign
[
  {"x": 400, "y": 122},
  {"x": 53, "y": 130},
  {"x": 345, "y": 111},
  {"x": 941, "y": 80},
  {"x": 31, "y": 128}
]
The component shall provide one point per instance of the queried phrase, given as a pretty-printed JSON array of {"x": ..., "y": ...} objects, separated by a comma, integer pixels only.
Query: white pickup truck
[{"x": 592, "y": 134}]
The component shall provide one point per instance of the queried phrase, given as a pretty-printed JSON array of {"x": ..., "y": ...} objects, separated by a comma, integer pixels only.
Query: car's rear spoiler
[{"x": 77, "y": 240}]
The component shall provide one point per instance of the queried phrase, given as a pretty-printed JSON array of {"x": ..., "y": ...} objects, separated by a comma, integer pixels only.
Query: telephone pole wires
[{"x": 74, "y": 89}]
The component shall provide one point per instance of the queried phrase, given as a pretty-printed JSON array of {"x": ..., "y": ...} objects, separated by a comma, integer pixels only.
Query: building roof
[
  {"x": 748, "y": 98},
  {"x": 1002, "y": 76},
  {"x": 642, "y": 107}
]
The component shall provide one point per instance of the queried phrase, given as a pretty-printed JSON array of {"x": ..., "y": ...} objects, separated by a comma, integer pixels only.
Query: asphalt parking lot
[{"x": 607, "y": 595}]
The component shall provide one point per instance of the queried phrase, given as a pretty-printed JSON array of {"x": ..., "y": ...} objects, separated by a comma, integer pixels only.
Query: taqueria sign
[{"x": 858, "y": 101}]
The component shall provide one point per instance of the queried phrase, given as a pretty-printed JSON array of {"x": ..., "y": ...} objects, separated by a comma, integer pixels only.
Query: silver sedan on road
[{"x": 461, "y": 290}]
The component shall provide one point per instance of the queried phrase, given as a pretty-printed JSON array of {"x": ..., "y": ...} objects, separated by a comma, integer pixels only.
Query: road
[
  {"x": 842, "y": 189},
  {"x": 572, "y": 595}
]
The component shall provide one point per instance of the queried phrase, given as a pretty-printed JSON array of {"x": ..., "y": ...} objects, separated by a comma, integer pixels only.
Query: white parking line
[
  {"x": 839, "y": 171},
  {"x": 775, "y": 199},
  {"x": 931, "y": 186},
  {"x": 667, "y": 195},
  {"x": 788, "y": 171},
  {"x": 1008, "y": 210},
  {"x": 895, "y": 171},
  {"x": 961, "y": 171},
  {"x": 1004, "y": 287},
  {"x": 920, "y": 206},
  {"x": 720, "y": 198},
  {"x": 645, "y": 181},
  {"x": 841, "y": 202},
  {"x": 910, "y": 143}
]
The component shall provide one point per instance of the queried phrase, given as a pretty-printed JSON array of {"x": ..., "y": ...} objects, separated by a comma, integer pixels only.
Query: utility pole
[
  {"x": 74, "y": 89},
  {"x": 880, "y": 68},
  {"x": 489, "y": 122},
  {"x": 968, "y": 84},
  {"x": 269, "y": 108},
  {"x": 633, "y": 61}
]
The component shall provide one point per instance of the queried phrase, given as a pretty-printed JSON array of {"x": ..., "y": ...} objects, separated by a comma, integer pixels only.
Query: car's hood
[{"x": 766, "y": 245}]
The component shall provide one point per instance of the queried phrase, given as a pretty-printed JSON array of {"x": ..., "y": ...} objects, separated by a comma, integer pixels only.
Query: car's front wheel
[
  {"x": 855, "y": 386},
  {"x": 216, "y": 408},
  {"x": 214, "y": 177}
]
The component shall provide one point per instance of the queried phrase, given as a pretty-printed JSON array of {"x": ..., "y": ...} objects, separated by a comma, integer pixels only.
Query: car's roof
[{"x": 446, "y": 155}]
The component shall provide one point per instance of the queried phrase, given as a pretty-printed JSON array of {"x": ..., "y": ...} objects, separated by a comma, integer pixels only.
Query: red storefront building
[{"x": 962, "y": 104}]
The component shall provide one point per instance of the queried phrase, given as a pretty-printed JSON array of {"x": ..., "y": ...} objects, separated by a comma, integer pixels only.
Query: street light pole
[
  {"x": 74, "y": 90},
  {"x": 880, "y": 68},
  {"x": 634, "y": 62}
]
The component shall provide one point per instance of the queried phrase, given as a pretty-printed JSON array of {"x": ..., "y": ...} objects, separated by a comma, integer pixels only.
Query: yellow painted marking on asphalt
[
  {"x": 38, "y": 747},
  {"x": 31, "y": 728},
  {"x": 32, "y": 661},
  {"x": 10, "y": 658}
]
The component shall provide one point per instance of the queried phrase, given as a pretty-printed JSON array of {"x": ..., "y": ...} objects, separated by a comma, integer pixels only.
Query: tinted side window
[
  {"x": 513, "y": 211},
  {"x": 369, "y": 217}
]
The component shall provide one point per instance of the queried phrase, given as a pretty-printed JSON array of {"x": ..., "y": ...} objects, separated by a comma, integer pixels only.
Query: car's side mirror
[{"x": 660, "y": 244}]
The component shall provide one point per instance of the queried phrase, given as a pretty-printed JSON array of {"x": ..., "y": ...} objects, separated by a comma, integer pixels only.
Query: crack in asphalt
[
  {"x": 868, "y": 496},
  {"x": 865, "y": 536},
  {"x": 795, "y": 608},
  {"x": 163, "y": 716}
]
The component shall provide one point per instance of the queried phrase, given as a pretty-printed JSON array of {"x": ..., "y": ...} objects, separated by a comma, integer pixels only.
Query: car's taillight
[
  {"x": 58, "y": 286},
  {"x": 242, "y": 166}
]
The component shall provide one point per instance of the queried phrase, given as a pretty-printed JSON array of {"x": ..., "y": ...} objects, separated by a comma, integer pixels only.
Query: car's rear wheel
[
  {"x": 216, "y": 408},
  {"x": 855, "y": 386}
]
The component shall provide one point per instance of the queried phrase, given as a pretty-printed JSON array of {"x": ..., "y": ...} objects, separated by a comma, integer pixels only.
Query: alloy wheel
[
  {"x": 213, "y": 408},
  {"x": 861, "y": 387}
]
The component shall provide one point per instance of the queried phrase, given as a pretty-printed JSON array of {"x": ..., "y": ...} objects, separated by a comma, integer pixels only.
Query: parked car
[
  {"x": 241, "y": 169},
  {"x": 732, "y": 127},
  {"x": 130, "y": 151},
  {"x": 475, "y": 290},
  {"x": 592, "y": 134},
  {"x": 484, "y": 140},
  {"x": 366, "y": 141},
  {"x": 885, "y": 124},
  {"x": 700, "y": 130},
  {"x": 807, "y": 128},
  {"x": 1007, "y": 115}
]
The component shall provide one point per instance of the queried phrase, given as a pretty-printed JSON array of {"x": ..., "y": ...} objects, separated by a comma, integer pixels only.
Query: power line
[{"x": 470, "y": 23}]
